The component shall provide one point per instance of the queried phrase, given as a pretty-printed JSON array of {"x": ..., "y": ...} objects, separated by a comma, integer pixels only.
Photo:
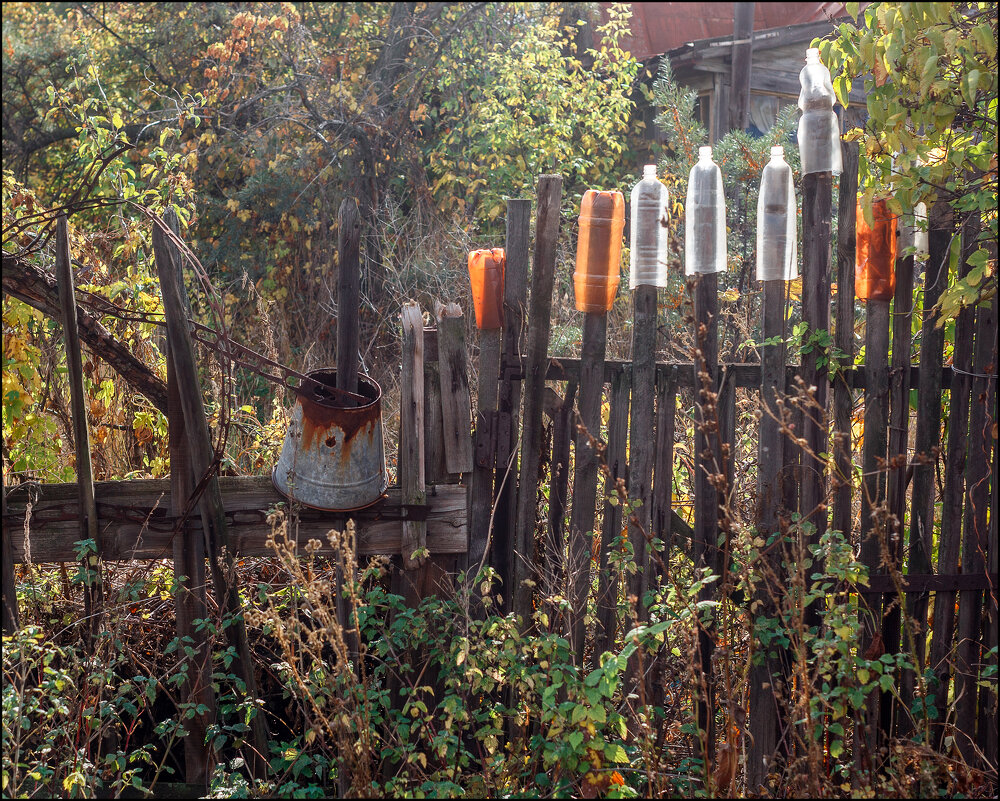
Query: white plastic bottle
[
  {"x": 819, "y": 128},
  {"x": 777, "y": 242},
  {"x": 648, "y": 254},
  {"x": 705, "y": 218}
]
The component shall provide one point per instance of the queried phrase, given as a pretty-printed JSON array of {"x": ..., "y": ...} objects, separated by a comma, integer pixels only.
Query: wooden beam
[
  {"x": 739, "y": 97},
  {"x": 456, "y": 402},
  {"x": 136, "y": 522},
  {"x": 411, "y": 434}
]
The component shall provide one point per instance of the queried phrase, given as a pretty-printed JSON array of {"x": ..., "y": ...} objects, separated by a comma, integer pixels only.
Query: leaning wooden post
[
  {"x": 515, "y": 294},
  {"x": 542, "y": 274},
  {"x": 412, "y": 478},
  {"x": 348, "y": 296},
  {"x": 189, "y": 574},
  {"x": 220, "y": 553},
  {"x": 456, "y": 403},
  {"x": 93, "y": 592}
]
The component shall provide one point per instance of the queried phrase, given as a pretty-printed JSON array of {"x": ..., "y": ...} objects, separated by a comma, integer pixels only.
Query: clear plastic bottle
[
  {"x": 777, "y": 241},
  {"x": 819, "y": 128},
  {"x": 705, "y": 218},
  {"x": 599, "y": 250},
  {"x": 648, "y": 255}
]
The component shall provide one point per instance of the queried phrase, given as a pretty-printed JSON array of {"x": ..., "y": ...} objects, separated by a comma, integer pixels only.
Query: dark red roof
[{"x": 660, "y": 27}]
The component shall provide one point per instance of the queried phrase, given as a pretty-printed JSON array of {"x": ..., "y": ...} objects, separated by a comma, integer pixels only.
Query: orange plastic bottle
[
  {"x": 875, "y": 276},
  {"x": 599, "y": 250},
  {"x": 486, "y": 272}
]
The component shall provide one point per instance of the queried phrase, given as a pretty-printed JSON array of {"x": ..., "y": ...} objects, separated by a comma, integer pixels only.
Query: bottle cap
[
  {"x": 649, "y": 171},
  {"x": 777, "y": 152},
  {"x": 705, "y": 152},
  {"x": 812, "y": 55}
]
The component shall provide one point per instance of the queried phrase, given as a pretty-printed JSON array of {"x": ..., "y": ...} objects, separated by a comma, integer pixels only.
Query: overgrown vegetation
[{"x": 251, "y": 123}]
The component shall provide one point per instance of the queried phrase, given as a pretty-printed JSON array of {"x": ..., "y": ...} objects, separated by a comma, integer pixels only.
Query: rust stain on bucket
[{"x": 333, "y": 457}]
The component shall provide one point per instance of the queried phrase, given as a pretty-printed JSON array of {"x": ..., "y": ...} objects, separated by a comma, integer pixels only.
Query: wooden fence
[{"x": 470, "y": 498}]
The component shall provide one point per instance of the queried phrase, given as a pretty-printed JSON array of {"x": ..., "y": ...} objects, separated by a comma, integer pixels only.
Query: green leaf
[{"x": 615, "y": 753}]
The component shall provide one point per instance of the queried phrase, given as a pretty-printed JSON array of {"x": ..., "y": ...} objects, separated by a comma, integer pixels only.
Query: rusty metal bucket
[{"x": 333, "y": 458}]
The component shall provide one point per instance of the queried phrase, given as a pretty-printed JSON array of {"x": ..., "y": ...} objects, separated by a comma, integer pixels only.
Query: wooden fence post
[
  {"x": 189, "y": 573},
  {"x": 536, "y": 359},
  {"x": 640, "y": 430},
  {"x": 707, "y": 464},
  {"x": 982, "y": 421},
  {"x": 456, "y": 403},
  {"x": 766, "y": 678},
  {"x": 873, "y": 522},
  {"x": 515, "y": 293},
  {"x": 817, "y": 216},
  {"x": 661, "y": 504},
  {"x": 348, "y": 296},
  {"x": 11, "y": 618},
  {"x": 481, "y": 489},
  {"x": 595, "y": 337},
  {"x": 610, "y": 578},
  {"x": 950, "y": 543},
  {"x": 213, "y": 517},
  {"x": 940, "y": 231},
  {"x": 93, "y": 591},
  {"x": 843, "y": 401},
  {"x": 899, "y": 434},
  {"x": 412, "y": 479}
]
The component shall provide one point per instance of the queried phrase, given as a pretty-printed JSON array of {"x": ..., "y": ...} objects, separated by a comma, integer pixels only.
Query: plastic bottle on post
[
  {"x": 875, "y": 274},
  {"x": 705, "y": 218},
  {"x": 648, "y": 253},
  {"x": 599, "y": 250},
  {"x": 819, "y": 128},
  {"x": 777, "y": 251},
  {"x": 486, "y": 274}
]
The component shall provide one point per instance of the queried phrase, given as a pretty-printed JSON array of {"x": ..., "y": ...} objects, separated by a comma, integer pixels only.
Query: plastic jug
[
  {"x": 819, "y": 128},
  {"x": 486, "y": 273},
  {"x": 705, "y": 218},
  {"x": 599, "y": 250},
  {"x": 648, "y": 254},
  {"x": 776, "y": 235},
  {"x": 875, "y": 276}
]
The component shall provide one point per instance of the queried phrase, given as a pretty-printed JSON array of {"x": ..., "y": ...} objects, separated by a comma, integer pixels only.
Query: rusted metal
[{"x": 333, "y": 458}]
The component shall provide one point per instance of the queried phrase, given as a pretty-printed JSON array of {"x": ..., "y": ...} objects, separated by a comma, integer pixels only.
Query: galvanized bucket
[{"x": 333, "y": 458}]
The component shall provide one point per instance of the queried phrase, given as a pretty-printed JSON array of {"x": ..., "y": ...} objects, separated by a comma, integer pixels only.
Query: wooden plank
[
  {"x": 739, "y": 78},
  {"x": 927, "y": 582},
  {"x": 610, "y": 578},
  {"x": 640, "y": 433},
  {"x": 204, "y": 463},
  {"x": 190, "y": 597},
  {"x": 348, "y": 296},
  {"x": 982, "y": 422},
  {"x": 435, "y": 471},
  {"x": 411, "y": 433},
  {"x": 873, "y": 532},
  {"x": 843, "y": 400},
  {"x": 11, "y": 617},
  {"x": 515, "y": 295},
  {"x": 581, "y": 525},
  {"x": 817, "y": 215},
  {"x": 707, "y": 464},
  {"x": 663, "y": 469},
  {"x": 481, "y": 486},
  {"x": 136, "y": 522},
  {"x": 456, "y": 402},
  {"x": 950, "y": 542},
  {"x": 563, "y": 417},
  {"x": 93, "y": 591},
  {"x": 940, "y": 228},
  {"x": 765, "y": 717},
  {"x": 899, "y": 434},
  {"x": 549, "y": 193}
]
